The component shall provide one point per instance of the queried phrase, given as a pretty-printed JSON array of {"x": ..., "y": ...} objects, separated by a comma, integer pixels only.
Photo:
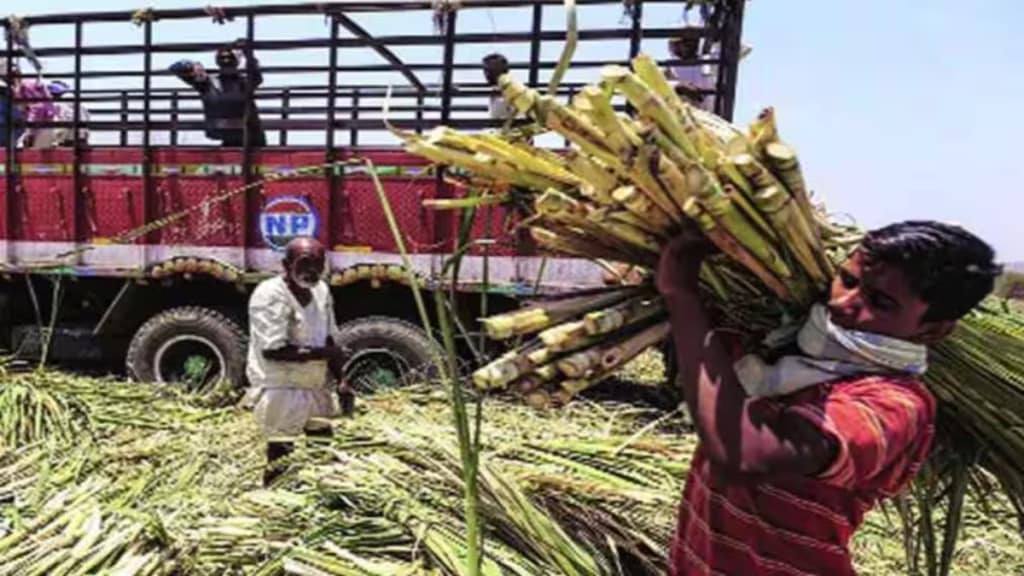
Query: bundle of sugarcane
[
  {"x": 619, "y": 195},
  {"x": 621, "y": 192}
]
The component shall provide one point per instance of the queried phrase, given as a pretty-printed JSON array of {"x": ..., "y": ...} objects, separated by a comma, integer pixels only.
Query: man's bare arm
[{"x": 732, "y": 431}]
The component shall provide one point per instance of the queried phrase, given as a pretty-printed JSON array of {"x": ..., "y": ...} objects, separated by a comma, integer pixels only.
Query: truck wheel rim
[
  {"x": 373, "y": 369},
  {"x": 178, "y": 357}
]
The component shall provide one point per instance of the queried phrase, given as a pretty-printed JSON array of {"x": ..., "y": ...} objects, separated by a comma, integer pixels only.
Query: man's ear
[{"x": 933, "y": 332}]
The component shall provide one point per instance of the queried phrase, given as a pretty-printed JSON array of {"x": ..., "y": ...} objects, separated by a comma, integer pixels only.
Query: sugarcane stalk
[
  {"x": 763, "y": 131},
  {"x": 564, "y": 240},
  {"x": 729, "y": 245},
  {"x": 562, "y": 208},
  {"x": 617, "y": 355},
  {"x": 615, "y": 317},
  {"x": 634, "y": 220},
  {"x": 649, "y": 105},
  {"x": 729, "y": 217},
  {"x": 621, "y": 138},
  {"x": 598, "y": 181},
  {"x": 643, "y": 172},
  {"x": 640, "y": 205},
  {"x": 582, "y": 363},
  {"x": 788, "y": 222},
  {"x": 544, "y": 314},
  {"x": 647, "y": 69},
  {"x": 557, "y": 337}
]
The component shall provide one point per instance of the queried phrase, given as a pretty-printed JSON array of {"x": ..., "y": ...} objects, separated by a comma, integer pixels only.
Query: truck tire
[
  {"x": 191, "y": 346},
  {"x": 387, "y": 353}
]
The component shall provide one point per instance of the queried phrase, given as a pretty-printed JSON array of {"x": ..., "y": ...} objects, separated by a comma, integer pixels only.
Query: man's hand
[
  {"x": 680, "y": 262},
  {"x": 244, "y": 45}
]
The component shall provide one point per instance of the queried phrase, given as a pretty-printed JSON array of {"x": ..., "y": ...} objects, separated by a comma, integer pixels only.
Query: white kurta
[{"x": 287, "y": 395}]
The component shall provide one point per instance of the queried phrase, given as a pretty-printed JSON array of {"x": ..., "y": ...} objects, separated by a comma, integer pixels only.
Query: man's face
[
  {"x": 306, "y": 269},
  {"x": 226, "y": 60},
  {"x": 684, "y": 49},
  {"x": 493, "y": 69},
  {"x": 876, "y": 297}
]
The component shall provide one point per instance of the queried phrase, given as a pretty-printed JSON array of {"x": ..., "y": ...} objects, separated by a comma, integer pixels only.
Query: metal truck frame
[{"x": 144, "y": 251}]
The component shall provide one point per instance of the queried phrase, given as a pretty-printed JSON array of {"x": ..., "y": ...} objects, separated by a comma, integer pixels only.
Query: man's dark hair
[
  {"x": 949, "y": 268},
  {"x": 494, "y": 66}
]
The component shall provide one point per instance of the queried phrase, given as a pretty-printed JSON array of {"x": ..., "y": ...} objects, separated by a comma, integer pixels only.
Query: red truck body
[{"x": 137, "y": 249}]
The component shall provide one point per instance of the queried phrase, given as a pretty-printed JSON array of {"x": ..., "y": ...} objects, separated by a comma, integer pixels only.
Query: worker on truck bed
[
  {"x": 792, "y": 455},
  {"x": 229, "y": 108},
  {"x": 494, "y": 66},
  {"x": 693, "y": 81},
  {"x": 293, "y": 354}
]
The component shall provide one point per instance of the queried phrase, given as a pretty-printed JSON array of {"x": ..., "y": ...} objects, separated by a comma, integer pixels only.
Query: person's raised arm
[
  {"x": 253, "y": 74},
  {"x": 730, "y": 432}
]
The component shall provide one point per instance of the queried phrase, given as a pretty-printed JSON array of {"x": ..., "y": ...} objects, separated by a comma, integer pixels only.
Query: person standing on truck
[
  {"x": 495, "y": 65},
  {"x": 693, "y": 81},
  {"x": 793, "y": 454},
  {"x": 229, "y": 106},
  {"x": 59, "y": 136},
  {"x": 294, "y": 354},
  {"x": 34, "y": 105}
]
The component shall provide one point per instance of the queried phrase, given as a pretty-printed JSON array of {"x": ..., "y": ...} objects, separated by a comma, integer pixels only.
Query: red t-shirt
[{"x": 736, "y": 524}]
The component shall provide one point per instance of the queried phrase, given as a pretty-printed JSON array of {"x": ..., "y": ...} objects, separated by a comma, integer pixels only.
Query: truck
[{"x": 140, "y": 246}]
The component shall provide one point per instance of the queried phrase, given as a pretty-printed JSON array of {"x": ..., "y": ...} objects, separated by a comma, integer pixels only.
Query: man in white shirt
[
  {"x": 495, "y": 65},
  {"x": 65, "y": 112},
  {"x": 293, "y": 356}
]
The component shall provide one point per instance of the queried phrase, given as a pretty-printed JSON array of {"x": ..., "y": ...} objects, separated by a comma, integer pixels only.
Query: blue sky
[{"x": 899, "y": 109}]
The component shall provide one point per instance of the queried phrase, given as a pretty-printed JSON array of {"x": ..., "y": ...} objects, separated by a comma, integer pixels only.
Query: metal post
[
  {"x": 250, "y": 29},
  {"x": 174, "y": 118},
  {"x": 635, "y": 36},
  {"x": 419, "y": 111},
  {"x": 449, "y": 61},
  {"x": 636, "y": 33},
  {"x": 147, "y": 150},
  {"x": 12, "y": 150},
  {"x": 354, "y": 130},
  {"x": 443, "y": 218},
  {"x": 286, "y": 101},
  {"x": 333, "y": 176},
  {"x": 124, "y": 118},
  {"x": 76, "y": 150},
  {"x": 538, "y": 14},
  {"x": 251, "y": 200},
  {"x": 725, "y": 88}
]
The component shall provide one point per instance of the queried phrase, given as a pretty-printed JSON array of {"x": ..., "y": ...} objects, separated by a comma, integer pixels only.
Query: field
[{"x": 383, "y": 495}]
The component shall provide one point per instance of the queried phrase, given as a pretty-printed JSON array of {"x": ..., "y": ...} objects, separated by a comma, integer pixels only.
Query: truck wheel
[
  {"x": 191, "y": 346},
  {"x": 387, "y": 353}
]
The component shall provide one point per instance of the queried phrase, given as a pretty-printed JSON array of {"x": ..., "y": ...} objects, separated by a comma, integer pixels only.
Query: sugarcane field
[{"x": 496, "y": 287}]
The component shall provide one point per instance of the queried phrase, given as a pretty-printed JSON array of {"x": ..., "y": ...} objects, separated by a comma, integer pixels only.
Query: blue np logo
[{"x": 285, "y": 218}]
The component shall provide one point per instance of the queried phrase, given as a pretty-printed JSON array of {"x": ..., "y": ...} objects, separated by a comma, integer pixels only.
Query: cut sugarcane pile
[
  {"x": 142, "y": 481},
  {"x": 620, "y": 193}
]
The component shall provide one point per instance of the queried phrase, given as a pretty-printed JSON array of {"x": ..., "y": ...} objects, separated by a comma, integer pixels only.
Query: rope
[
  {"x": 441, "y": 10},
  {"x": 143, "y": 15},
  {"x": 218, "y": 15},
  {"x": 134, "y": 234},
  {"x": 17, "y": 32}
]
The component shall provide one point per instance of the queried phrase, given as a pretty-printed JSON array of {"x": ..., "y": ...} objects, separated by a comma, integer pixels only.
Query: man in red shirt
[{"x": 780, "y": 481}]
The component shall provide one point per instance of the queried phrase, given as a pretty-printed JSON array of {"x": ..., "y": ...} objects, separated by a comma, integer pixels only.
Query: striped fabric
[{"x": 737, "y": 524}]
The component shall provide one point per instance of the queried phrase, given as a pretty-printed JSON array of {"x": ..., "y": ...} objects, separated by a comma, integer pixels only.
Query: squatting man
[{"x": 295, "y": 365}]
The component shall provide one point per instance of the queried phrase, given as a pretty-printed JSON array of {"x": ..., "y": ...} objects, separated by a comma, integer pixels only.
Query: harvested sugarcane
[{"x": 638, "y": 177}]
